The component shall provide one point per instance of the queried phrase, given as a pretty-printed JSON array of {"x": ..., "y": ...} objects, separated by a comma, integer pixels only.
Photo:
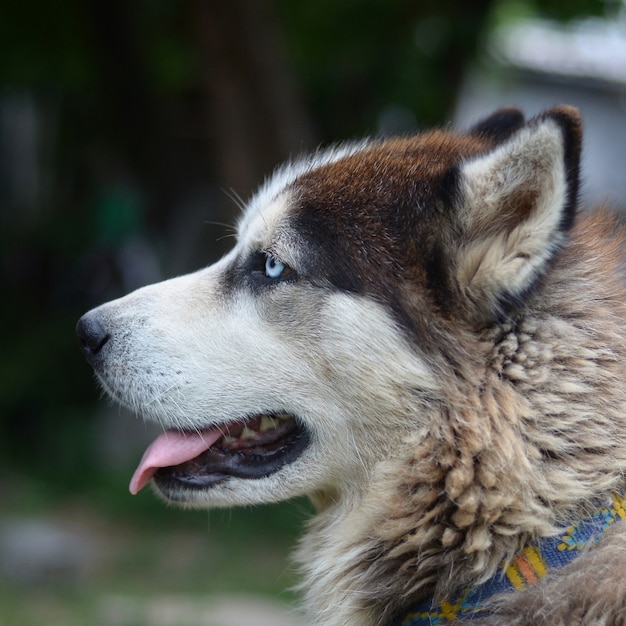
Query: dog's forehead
[
  {"x": 377, "y": 194},
  {"x": 357, "y": 188},
  {"x": 266, "y": 210}
]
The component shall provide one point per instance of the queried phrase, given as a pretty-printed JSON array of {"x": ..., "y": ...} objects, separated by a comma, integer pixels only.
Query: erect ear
[
  {"x": 500, "y": 125},
  {"x": 517, "y": 202}
]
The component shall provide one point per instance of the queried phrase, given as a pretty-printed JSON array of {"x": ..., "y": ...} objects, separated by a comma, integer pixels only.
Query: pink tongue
[{"x": 169, "y": 449}]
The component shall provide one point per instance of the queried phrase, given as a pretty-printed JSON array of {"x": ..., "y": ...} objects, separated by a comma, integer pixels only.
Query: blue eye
[
  {"x": 266, "y": 269},
  {"x": 274, "y": 268}
]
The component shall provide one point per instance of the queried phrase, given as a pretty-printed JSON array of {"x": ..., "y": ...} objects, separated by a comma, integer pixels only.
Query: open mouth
[{"x": 252, "y": 448}]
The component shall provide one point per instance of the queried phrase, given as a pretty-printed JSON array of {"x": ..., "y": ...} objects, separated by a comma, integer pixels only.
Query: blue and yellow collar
[{"x": 533, "y": 563}]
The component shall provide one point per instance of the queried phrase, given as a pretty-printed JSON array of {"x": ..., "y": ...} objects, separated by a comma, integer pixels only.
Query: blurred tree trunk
[{"x": 254, "y": 113}]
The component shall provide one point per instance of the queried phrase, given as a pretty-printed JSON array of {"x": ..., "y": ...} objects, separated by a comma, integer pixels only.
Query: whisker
[{"x": 236, "y": 198}]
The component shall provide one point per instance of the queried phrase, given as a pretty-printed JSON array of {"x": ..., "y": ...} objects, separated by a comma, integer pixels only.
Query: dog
[{"x": 427, "y": 337}]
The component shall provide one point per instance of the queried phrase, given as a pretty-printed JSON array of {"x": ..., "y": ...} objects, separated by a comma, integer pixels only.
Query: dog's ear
[
  {"x": 516, "y": 203},
  {"x": 500, "y": 125}
]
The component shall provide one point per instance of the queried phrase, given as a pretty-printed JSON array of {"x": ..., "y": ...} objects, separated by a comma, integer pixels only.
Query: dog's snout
[{"x": 92, "y": 336}]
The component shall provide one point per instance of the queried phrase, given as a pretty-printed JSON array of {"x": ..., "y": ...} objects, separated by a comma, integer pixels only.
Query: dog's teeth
[
  {"x": 228, "y": 439},
  {"x": 247, "y": 433},
  {"x": 267, "y": 423}
]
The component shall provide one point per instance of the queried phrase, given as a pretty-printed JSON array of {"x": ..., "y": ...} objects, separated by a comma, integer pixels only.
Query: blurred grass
[{"x": 140, "y": 552}]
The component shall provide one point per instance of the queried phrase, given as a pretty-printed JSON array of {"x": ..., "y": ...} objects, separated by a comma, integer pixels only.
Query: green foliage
[
  {"x": 44, "y": 43},
  {"x": 355, "y": 59},
  {"x": 505, "y": 11},
  {"x": 142, "y": 553}
]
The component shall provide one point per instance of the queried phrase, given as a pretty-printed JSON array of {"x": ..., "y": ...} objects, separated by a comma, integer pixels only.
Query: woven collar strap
[{"x": 533, "y": 563}]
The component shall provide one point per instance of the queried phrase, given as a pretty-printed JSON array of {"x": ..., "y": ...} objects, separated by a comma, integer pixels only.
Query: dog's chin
[{"x": 245, "y": 452}]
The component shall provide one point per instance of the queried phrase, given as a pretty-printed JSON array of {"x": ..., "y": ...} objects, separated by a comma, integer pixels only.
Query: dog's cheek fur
[
  {"x": 339, "y": 344},
  {"x": 369, "y": 410}
]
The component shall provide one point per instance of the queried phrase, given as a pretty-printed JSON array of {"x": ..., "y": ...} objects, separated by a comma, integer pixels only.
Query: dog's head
[{"x": 301, "y": 360}]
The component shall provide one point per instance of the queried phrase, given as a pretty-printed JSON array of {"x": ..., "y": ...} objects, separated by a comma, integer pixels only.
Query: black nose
[{"x": 92, "y": 336}]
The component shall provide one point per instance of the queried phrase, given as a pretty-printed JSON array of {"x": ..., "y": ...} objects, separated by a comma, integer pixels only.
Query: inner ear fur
[{"x": 516, "y": 203}]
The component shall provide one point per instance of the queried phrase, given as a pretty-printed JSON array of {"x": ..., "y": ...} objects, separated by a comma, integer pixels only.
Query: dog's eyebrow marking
[{"x": 260, "y": 226}]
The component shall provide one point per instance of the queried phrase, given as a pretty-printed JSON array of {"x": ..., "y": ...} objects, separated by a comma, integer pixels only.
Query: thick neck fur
[{"x": 532, "y": 438}]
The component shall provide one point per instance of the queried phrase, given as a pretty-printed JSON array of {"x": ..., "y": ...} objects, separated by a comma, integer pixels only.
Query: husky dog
[{"x": 425, "y": 337}]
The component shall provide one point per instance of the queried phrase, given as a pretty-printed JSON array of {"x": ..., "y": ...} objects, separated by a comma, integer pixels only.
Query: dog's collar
[{"x": 534, "y": 562}]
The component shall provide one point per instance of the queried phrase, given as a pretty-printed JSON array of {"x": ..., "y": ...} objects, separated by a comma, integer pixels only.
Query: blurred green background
[{"x": 127, "y": 132}]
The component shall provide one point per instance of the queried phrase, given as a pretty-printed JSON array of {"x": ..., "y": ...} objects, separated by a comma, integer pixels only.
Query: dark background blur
[{"x": 128, "y": 132}]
